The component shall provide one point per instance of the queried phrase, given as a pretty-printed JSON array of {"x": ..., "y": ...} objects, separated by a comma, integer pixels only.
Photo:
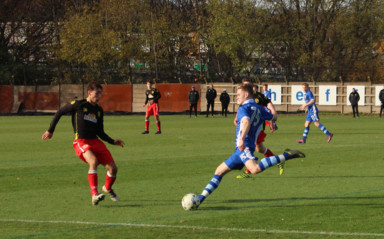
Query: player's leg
[
  {"x": 146, "y": 123},
  {"x": 195, "y": 106},
  {"x": 220, "y": 171},
  {"x": 110, "y": 179},
  {"x": 258, "y": 167},
  {"x": 305, "y": 133},
  {"x": 91, "y": 160},
  {"x": 207, "y": 108},
  {"x": 268, "y": 153},
  {"x": 269, "y": 124},
  {"x": 105, "y": 158},
  {"x": 381, "y": 109},
  {"x": 233, "y": 162},
  {"x": 213, "y": 107},
  {"x": 325, "y": 131},
  {"x": 260, "y": 148},
  {"x": 357, "y": 110},
  {"x": 156, "y": 114}
]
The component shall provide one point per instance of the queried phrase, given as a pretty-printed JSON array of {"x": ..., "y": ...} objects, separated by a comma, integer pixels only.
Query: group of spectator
[{"x": 210, "y": 96}]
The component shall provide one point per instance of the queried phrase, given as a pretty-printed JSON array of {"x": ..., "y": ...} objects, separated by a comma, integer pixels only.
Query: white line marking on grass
[{"x": 348, "y": 234}]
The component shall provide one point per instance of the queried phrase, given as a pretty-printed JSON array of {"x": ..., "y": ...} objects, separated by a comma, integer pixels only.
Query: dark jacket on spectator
[
  {"x": 381, "y": 96},
  {"x": 354, "y": 98},
  {"x": 193, "y": 97},
  {"x": 224, "y": 98},
  {"x": 211, "y": 95}
]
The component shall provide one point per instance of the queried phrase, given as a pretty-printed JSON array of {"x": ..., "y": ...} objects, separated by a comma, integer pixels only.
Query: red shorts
[
  {"x": 98, "y": 148},
  {"x": 152, "y": 109},
  {"x": 261, "y": 137}
]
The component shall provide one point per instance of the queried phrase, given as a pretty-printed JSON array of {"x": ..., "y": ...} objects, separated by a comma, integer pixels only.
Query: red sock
[
  {"x": 158, "y": 126},
  {"x": 247, "y": 171},
  {"x": 109, "y": 180},
  {"x": 268, "y": 153},
  {"x": 267, "y": 123},
  {"x": 92, "y": 179},
  {"x": 146, "y": 125}
]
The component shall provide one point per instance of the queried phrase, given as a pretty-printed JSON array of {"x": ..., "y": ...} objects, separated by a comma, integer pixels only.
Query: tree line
[{"x": 183, "y": 41}]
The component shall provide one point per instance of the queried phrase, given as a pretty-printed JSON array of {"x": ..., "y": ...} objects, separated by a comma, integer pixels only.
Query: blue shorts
[
  {"x": 238, "y": 158},
  {"x": 312, "y": 116}
]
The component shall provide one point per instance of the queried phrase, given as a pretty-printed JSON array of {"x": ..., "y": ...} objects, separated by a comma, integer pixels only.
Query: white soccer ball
[{"x": 190, "y": 201}]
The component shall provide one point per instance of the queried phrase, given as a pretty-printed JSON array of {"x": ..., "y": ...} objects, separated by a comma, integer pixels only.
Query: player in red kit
[
  {"x": 152, "y": 96},
  {"x": 88, "y": 126}
]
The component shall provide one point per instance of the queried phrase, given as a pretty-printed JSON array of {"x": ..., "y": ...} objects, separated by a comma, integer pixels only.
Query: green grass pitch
[{"x": 337, "y": 191}]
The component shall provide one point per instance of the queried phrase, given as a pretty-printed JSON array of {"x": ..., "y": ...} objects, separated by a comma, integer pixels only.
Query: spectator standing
[
  {"x": 193, "y": 98},
  {"x": 354, "y": 98},
  {"x": 211, "y": 96},
  {"x": 381, "y": 97},
  {"x": 224, "y": 99}
]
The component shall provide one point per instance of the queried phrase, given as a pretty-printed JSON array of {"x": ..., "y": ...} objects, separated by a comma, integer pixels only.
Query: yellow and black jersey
[
  {"x": 87, "y": 120},
  {"x": 261, "y": 99},
  {"x": 153, "y": 92}
]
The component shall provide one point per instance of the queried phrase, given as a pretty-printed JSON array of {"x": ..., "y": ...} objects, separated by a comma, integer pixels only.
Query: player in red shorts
[
  {"x": 88, "y": 126},
  {"x": 152, "y": 95}
]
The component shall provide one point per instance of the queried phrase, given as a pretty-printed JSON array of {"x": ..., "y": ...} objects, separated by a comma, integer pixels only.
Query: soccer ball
[{"x": 190, "y": 201}]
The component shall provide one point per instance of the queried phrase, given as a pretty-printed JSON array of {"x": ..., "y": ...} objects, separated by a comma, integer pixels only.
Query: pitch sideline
[{"x": 200, "y": 228}]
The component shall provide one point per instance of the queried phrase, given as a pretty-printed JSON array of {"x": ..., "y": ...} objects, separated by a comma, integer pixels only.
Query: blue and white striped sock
[
  {"x": 272, "y": 161},
  {"x": 325, "y": 131},
  {"x": 305, "y": 134},
  {"x": 211, "y": 186}
]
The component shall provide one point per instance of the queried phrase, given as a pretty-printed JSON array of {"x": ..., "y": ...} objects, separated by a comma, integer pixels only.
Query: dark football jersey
[
  {"x": 261, "y": 99},
  {"x": 87, "y": 120},
  {"x": 155, "y": 93}
]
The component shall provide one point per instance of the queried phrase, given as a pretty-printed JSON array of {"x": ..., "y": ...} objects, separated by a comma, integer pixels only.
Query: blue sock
[
  {"x": 211, "y": 186},
  {"x": 305, "y": 134},
  {"x": 272, "y": 161},
  {"x": 325, "y": 131}
]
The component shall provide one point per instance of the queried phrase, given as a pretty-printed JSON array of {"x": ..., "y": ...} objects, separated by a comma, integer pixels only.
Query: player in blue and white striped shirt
[
  {"x": 250, "y": 118},
  {"x": 312, "y": 115}
]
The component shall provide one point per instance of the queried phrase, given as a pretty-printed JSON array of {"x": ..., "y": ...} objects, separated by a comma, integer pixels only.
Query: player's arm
[
  {"x": 101, "y": 133},
  {"x": 311, "y": 102},
  {"x": 146, "y": 99},
  {"x": 100, "y": 130},
  {"x": 68, "y": 108},
  {"x": 265, "y": 115},
  {"x": 245, "y": 125},
  {"x": 157, "y": 95},
  {"x": 271, "y": 107}
]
